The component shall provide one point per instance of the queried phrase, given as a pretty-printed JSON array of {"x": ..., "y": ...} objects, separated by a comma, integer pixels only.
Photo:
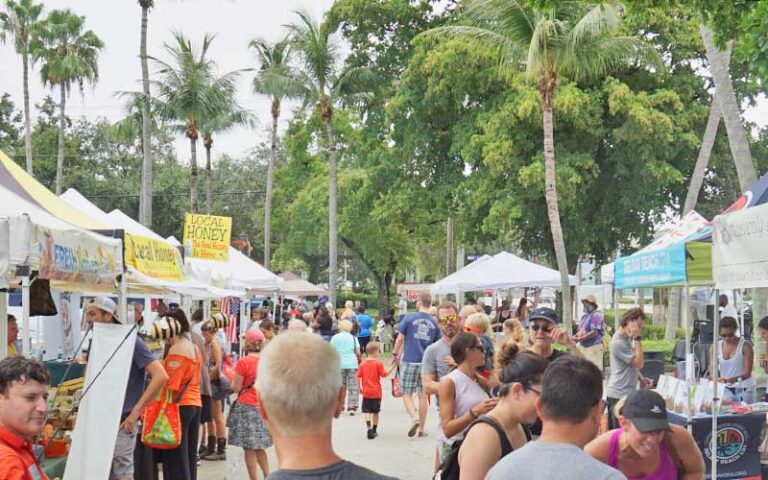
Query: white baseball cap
[{"x": 105, "y": 304}]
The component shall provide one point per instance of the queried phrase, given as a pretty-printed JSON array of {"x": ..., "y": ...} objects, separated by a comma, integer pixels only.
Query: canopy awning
[
  {"x": 295, "y": 285},
  {"x": 500, "y": 272}
]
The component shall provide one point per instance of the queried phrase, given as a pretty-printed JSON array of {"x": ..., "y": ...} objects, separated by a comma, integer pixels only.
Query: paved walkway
[{"x": 391, "y": 453}]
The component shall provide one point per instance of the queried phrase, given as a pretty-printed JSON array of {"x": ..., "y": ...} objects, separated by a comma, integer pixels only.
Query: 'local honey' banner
[
  {"x": 207, "y": 236},
  {"x": 154, "y": 258}
]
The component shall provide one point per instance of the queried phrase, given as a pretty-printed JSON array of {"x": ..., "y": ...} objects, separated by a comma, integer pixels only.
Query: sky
[
  {"x": 118, "y": 24},
  {"x": 235, "y": 23}
]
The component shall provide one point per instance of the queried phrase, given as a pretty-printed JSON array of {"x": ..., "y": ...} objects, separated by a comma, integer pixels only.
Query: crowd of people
[{"x": 530, "y": 405}]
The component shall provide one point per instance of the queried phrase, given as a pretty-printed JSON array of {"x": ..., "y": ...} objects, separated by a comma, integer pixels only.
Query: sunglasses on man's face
[
  {"x": 448, "y": 319},
  {"x": 536, "y": 327}
]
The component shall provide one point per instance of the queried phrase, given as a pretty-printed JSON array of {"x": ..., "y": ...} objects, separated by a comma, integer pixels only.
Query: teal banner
[{"x": 665, "y": 266}]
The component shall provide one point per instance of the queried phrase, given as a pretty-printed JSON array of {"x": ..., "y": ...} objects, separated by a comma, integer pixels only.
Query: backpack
[{"x": 449, "y": 469}]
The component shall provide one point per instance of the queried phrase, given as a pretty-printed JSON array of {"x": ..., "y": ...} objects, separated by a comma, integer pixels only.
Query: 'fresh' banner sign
[{"x": 207, "y": 236}]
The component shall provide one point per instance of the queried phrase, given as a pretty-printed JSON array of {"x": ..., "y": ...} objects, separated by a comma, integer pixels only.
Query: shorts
[
  {"x": 410, "y": 378},
  {"x": 206, "y": 414},
  {"x": 122, "y": 458},
  {"x": 371, "y": 405}
]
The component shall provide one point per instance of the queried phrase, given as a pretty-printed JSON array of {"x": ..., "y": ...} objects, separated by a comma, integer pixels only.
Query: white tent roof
[
  {"x": 295, "y": 285},
  {"x": 192, "y": 287},
  {"x": 500, "y": 272},
  {"x": 239, "y": 272}
]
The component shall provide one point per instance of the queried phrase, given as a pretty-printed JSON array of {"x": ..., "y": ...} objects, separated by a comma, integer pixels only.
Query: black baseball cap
[
  {"x": 647, "y": 411},
  {"x": 545, "y": 313}
]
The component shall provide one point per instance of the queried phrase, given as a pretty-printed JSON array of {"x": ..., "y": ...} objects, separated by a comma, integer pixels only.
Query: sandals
[{"x": 414, "y": 428}]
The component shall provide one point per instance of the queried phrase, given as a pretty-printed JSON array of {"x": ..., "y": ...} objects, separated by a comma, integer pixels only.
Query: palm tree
[
  {"x": 322, "y": 85},
  {"x": 145, "y": 198},
  {"x": 567, "y": 41},
  {"x": 230, "y": 116},
  {"x": 274, "y": 79},
  {"x": 69, "y": 55},
  {"x": 19, "y": 23},
  {"x": 190, "y": 92}
]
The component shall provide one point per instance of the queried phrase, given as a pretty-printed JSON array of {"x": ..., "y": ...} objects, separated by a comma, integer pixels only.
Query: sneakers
[
  {"x": 414, "y": 428},
  {"x": 372, "y": 434}
]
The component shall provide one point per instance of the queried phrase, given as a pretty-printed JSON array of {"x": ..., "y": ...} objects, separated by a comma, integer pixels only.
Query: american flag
[{"x": 230, "y": 306}]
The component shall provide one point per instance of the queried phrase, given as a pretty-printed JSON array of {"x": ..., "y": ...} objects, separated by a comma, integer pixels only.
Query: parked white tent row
[{"x": 502, "y": 271}]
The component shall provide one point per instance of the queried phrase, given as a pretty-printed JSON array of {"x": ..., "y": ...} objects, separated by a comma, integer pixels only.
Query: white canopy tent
[
  {"x": 502, "y": 271},
  {"x": 139, "y": 282},
  {"x": 295, "y": 285},
  {"x": 239, "y": 272}
]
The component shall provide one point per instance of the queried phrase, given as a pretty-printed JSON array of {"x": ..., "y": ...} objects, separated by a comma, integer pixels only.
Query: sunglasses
[
  {"x": 478, "y": 347},
  {"x": 546, "y": 328},
  {"x": 537, "y": 392},
  {"x": 728, "y": 334},
  {"x": 448, "y": 319}
]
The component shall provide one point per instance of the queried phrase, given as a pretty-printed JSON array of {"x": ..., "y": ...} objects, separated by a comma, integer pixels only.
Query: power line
[{"x": 136, "y": 195}]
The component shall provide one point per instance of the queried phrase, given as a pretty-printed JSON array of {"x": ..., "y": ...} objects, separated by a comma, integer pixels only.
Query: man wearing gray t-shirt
[
  {"x": 570, "y": 408},
  {"x": 626, "y": 361},
  {"x": 437, "y": 361}
]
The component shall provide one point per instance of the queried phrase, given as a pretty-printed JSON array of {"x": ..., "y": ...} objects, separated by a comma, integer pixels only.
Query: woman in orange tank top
[{"x": 183, "y": 363}]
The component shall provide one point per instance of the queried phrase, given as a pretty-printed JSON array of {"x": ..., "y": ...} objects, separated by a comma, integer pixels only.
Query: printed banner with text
[
  {"x": 207, "y": 236},
  {"x": 154, "y": 258},
  {"x": 740, "y": 249},
  {"x": 79, "y": 257}
]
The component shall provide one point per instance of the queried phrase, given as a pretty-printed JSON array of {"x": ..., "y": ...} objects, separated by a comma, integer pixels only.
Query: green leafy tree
[
  {"x": 69, "y": 55},
  {"x": 17, "y": 24},
  {"x": 273, "y": 79},
  {"x": 567, "y": 41},
  {"x": 10, "y": 124},
  {"x": 324, "y": 85},
  {"x": 190, "y": 92}
]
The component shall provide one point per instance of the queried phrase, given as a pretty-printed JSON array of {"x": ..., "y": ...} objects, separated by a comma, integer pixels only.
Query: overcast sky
[
  {"x": 118, "y": 24},
  {"x": 235, "y": 23}
]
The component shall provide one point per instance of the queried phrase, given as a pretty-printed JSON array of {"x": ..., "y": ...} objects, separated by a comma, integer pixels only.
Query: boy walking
[{"x": 369, "y": 375}]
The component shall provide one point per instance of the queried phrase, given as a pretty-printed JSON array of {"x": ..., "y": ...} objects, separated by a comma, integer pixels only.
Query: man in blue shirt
[
  {"x": 418, "y": 330},
  {"x": 365, "y": 322}
]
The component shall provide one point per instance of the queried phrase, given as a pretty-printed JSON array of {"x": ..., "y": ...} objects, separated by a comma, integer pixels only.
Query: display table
[
  {"x": 738, "y": 442},
  {"x": 53, "y": 467}
]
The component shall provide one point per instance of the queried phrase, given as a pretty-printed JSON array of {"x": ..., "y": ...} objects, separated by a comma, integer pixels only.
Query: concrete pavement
[{"x": 391, "y": 453}]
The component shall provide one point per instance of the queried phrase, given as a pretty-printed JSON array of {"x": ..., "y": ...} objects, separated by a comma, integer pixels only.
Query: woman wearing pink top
[{"x": 647, "y": 447}]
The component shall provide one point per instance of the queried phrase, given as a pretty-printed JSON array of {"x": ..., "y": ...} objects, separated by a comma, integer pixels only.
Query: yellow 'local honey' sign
[{"x": 207, "y": 236}]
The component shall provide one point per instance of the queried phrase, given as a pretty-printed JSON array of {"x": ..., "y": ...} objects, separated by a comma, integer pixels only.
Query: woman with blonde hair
[
  {"x": 246, "y": 427},
  {"x": 348, "y": 348},
  {"x": 513, "y": 330},
  {"x": 479, "y": 324}
]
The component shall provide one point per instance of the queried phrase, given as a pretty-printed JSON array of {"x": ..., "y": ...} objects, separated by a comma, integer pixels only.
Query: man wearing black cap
[
  {"x": 544, "y": 331},
  {"x": 647, "y": 445}
]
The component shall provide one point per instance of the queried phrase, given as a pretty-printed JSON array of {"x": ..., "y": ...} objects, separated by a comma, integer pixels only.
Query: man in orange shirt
[{"x": 23, "y": 410}]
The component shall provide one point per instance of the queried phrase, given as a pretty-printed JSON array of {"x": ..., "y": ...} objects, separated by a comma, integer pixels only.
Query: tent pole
[
  {"x": 122, "y": 302},
  {"x": 689, "y": 366},
  {"x": 715, "y": 374},
  {"x": 23, "y": 271},
  {"x": 3, "y": 324},
  {"x": 615, "y": 307}
]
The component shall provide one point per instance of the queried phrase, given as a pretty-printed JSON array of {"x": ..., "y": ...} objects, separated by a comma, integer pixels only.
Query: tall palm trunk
[
  {"x": 553, "y": 211},
  {"x": 208, "y": 144},
  {"x": 145, "y": 199},
  {"x": 270, "y": 173},
  {"x": 193, "y": 173},
  {"x": 737, "y": 137},
  {"x": 332, "y": 224},
  {"x": 27, "y": 119},
  {"x": 60, "y": 149}
]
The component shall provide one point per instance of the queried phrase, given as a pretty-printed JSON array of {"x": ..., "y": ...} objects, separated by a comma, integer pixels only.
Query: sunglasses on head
[
  {"x": 471, "y": 329},
  {"x": 448, "y": 319},
  {"x": 536, "y": 327}
]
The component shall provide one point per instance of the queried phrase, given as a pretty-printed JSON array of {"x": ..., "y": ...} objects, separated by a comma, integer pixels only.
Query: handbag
[
  {"x": 396, "y": 385},
  {"x": 221, "y": 387},
  {"x": 162, "y": 421}
]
